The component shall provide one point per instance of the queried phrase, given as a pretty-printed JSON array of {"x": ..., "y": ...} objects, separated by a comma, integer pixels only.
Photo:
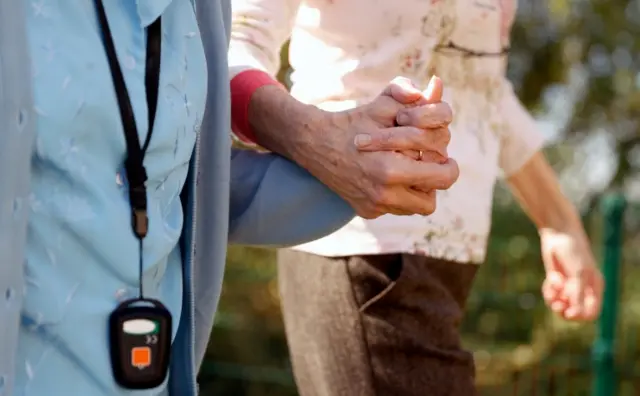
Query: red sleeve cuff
[{"x": 243, "y": 85}]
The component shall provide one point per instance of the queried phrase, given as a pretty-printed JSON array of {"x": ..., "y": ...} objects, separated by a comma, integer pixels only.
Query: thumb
[{"x": 433, "y": 93}]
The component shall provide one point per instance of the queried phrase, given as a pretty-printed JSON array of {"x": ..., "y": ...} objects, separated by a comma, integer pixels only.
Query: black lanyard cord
[{"x": 134, "y": 162}]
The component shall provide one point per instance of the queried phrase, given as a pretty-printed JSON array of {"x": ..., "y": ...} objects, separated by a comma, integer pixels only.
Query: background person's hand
[
  {"x": 573, "y": 286},
  {"x": 381, "y": 181}
]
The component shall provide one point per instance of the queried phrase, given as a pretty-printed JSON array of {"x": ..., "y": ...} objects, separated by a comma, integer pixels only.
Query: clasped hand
[{"x": 388, "y": 156}]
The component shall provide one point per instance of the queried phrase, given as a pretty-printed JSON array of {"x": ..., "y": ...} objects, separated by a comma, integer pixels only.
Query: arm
[
  {"x": 274, "y": 202},
  {"x": 531, "y": 178},
  {"x": 520, "y": 138},
  {"x": 537, "y": 189},
  {"x": 258, "y": 31},
  {"x": 323, "y": 143},
  {"x": 573, "y": 284}
]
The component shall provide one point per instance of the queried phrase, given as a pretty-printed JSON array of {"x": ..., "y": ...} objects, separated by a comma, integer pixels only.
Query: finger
[
  {"x": 395, "y": 169},
  {"x": 425, "y": 191},
  {"x": 558, "y": 307},
  {"x": 429, "y": 156},
  {"x": 404, "y": 201},
  {"x": 575, "y": 293},
  {"x": 384, "y": 110},
  {"x": 413, "y": 154},
  {"x": 593, "y": 297},
  {"x": 591, "y": 306},
  {"x": 433, "y": 93},
  {"x": 402, "y": 90},
  {"x": 555, "y": 281},
  {"x": 435, "y": 115},
  {"x": 432, "y": 176},
  {"x": 426, "y": 156},
  {"x": 401, "y": 139},
  {"x": 550, "y": 290},
  {"x": 369, "y": 213}
]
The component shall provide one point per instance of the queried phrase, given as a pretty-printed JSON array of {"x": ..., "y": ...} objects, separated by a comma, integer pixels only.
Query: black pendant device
[
  {"x": 140, "y": 337},
  {"x": 139, "y": 329}
]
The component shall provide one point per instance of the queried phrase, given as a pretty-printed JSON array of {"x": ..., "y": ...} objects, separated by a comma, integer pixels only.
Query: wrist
[
  {"x": 243, "y": 86},
  {"x": 283, "y": 124},
  {"x": 566, "y": 221}
]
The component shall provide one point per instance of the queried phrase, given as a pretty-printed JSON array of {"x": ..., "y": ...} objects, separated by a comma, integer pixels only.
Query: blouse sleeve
[
  {"x": 521, "y": 138},
  {"x": 276, "y": 203},
  {"x": 259, "y": 29}
]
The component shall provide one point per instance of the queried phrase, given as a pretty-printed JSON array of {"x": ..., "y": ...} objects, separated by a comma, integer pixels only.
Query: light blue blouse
[
  {"x": 81, "y": 252},
  {"x": 226, "y": 199}
]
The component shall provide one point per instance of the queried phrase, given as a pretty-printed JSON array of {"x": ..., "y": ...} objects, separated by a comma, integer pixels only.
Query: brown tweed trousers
[{"x": 381, "y": 325}]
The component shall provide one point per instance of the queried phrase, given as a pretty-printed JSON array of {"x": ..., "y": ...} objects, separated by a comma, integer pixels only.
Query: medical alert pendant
[{"x": 140, "y": 335}]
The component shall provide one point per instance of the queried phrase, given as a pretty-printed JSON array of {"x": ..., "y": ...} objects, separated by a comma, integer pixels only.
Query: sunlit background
[{"x": 576, "y": 65}]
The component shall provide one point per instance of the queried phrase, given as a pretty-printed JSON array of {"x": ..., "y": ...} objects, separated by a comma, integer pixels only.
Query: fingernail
[{"x": 362, "y": 140}]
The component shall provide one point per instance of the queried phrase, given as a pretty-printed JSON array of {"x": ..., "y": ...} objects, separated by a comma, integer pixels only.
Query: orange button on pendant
[{"x": 141, "y": 357}]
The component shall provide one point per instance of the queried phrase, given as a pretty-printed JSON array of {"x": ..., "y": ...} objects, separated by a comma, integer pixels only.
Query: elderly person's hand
[
  {"x": 421, "y": 111},
  {"x": 383, "y": 180}
]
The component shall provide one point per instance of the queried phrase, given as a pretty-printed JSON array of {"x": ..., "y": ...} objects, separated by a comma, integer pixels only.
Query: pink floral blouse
[{"x": 344, "y": 52}]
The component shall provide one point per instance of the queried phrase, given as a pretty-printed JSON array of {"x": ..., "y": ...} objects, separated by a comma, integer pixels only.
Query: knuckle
[
  {"x": 450, "y": 175},
  {"x": 384, "y": 176},
  {"x": 428, "y": 209},
  {"x": 368, "y": 214},
  {"x": 381, "y": 139},
  {"x": 455, "y": 172},
  {"x": 379, "y": 205},
  {"x": 387, "y": 137},
  {"x": 406, "y": 117},
  {"x": 430, "y": 203},
  {"x": 382, "y": 199},
  {"x": 434, "y": 115},
  {"x": 446, "y": 136},
  {"x": 441, "y": 140},
  {"x": 375, "y": 197},
  {"x": 425, "y": 210},
  {"x": 368, "y": 210},
  {"x": 447, "y": 112}
]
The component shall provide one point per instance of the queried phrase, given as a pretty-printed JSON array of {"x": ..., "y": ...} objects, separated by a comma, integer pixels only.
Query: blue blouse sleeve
[{"x": 276, "y": 203}]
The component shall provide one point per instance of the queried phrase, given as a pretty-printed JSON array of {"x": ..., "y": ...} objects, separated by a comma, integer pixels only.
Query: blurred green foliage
[{"x": 581, "y": 57}]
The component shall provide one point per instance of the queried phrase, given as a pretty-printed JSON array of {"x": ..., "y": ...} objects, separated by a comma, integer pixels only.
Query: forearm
[
  {"x": 536, "y": 187},
  {"x": 282, "y": 124},
  {"x": 264, "y": 113}
]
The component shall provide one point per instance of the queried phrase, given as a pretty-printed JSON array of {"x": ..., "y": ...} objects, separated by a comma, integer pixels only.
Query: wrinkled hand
[
  {"x": 422, "y": 110},
  {"x": 573, "y": 286},
  {"x": 382, "y": 180}
]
